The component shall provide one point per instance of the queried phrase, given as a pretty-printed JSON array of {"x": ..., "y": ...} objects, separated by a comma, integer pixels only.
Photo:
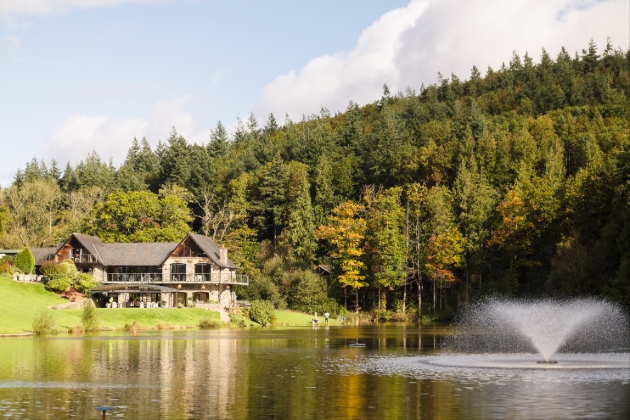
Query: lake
[{"x": 298, "y": 372}]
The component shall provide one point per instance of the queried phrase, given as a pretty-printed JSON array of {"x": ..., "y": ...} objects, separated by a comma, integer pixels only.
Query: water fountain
[{"x": 508, "y": 333}]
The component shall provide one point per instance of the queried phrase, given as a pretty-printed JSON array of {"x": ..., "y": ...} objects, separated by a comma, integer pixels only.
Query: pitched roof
[
  {"x": 88, "y": 242},
  {"x": 211, "y": 249},
  {"x": 43, "y": 254},
  {"x": 135, "y": 254}
]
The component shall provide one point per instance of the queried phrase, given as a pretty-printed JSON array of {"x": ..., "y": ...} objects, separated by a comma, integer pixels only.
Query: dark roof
[
  {"x": 325, "y": 267},
  {"x": 43, "y": 254},
  {"x": 135, "y": 254},
  {"x": 211, "y": 249}
]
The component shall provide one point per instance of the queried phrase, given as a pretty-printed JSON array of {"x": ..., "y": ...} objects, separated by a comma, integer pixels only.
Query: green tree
[
  {"x": 89, "y": 317},
  {"x": 141, "y": 216},
  {"x": 385, "y": 242},
  {"x": 300, "y": 223},
  {"x": 25, "y": 261},
  {"x": 475, "y": 201}
]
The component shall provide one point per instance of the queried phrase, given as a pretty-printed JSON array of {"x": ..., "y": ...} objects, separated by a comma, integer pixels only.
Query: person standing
[{"x": 326, "y": 316}]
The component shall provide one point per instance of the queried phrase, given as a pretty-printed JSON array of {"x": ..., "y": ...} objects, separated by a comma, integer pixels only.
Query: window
[
  {"x": 178, "y": 272},
  {"x": 203, "y": 272}
]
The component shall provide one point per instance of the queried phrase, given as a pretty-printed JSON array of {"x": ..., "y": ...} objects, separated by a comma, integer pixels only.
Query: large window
[
  {"x": 178, "y": 272},
  {"x": 203, "y": 272}
]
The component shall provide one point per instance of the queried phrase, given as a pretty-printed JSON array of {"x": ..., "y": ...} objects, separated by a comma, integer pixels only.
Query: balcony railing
[
  {"x": 207, "y": 277},
  {"x": 226, "y": 278},
  {"x": 84, "y": 258},
  {"x": 134, "y": 277},
  {"x": 178, "y": 277}
]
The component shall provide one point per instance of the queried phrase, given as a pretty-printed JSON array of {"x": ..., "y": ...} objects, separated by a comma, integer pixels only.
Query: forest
[{"x": 512, "y": 183}]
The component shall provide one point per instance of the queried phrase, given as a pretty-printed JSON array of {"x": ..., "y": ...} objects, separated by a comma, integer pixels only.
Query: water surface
[{"x": 285, "y": 373}]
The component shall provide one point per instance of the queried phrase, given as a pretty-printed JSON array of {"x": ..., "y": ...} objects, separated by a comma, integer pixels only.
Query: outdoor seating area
[{"x": 114, "y": 305}]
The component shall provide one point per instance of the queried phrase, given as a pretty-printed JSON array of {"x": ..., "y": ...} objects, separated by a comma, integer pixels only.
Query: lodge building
[{"x": 161, "y": 274}]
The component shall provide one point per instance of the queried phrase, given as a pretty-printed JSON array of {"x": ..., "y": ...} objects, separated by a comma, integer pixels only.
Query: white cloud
[
  {"x": 218, "y": 76},
  {"x": 11, "y": 8},
  {"x": 111, "y": 137},
  {"x": 409, "y": 46},
  {"x": 11, "y": 43}
]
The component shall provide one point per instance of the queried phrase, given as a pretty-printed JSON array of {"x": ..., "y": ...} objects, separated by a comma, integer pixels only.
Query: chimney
[{"x": 223, "y": 254}]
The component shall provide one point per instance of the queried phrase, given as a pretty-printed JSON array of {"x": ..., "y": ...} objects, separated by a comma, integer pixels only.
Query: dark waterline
[{"x": 283, "y": 373}]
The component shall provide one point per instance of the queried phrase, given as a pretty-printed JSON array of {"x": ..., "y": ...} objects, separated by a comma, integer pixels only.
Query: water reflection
[{"x": 285, "y": 373}]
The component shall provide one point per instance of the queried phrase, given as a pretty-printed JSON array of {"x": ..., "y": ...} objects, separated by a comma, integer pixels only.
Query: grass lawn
[
  {"x": 291, "y": 318},
  {"x": 20, "y": 301}
]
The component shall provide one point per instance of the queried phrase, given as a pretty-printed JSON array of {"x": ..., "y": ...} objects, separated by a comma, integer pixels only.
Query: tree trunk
[
  {"x": 356, "y": 291},
  {"x": 466, "y": 283},
  {"x": 404, "y": 297},
  {"x": 345, "y": 299},
  {"x": 420, "y": 299},
  {"x": 434, "y": 297}
]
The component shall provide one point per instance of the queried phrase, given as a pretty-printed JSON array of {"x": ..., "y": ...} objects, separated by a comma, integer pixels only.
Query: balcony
[
  {"x": 134, "y": 277},
  {"x": 78, "y": 259},
  {"x": 231, "y": 278}
]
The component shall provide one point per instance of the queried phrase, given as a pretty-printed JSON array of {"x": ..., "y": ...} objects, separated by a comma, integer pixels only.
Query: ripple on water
[{"x": 492, "y": 368}]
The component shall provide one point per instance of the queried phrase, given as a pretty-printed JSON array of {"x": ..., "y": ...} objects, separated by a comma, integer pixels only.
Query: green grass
[
  {"x": 300, "y": 319},
  {"x": 20, "y": 301}
]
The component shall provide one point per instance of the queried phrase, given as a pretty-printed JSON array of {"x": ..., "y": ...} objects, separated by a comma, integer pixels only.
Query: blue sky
[{"x": 79, "y": 75}]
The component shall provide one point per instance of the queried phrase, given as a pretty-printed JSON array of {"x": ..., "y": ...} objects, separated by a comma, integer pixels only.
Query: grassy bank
[
  {"x": 20, "y": 301},
  {"x": 289, "y": 318}
]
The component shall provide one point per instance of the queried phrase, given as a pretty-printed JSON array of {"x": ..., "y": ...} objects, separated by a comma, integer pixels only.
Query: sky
[{"x": 83, "y": 75}]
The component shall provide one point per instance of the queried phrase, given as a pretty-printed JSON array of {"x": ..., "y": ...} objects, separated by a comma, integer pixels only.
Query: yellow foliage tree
[{"x": 346, "y": 232}]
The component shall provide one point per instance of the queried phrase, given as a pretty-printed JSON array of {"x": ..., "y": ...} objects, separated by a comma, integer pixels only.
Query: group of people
[{"x": 326, "y": 318}]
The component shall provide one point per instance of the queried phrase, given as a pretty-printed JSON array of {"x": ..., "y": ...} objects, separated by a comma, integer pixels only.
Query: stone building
[{"x": 163, "y": 274}]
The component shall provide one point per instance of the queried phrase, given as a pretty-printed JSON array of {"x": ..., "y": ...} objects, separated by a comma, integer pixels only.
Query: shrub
[
  {"x": 24, "y": 261},
  {"x": 6, "y": 266},
  {"x": 85, "y": 281},
  {"x": 59, "y": 285},
  {"x": 43, "y": 322},
  {"x": 262, "y": 312},
  {"x": 89, "y": 318},
  {"x": 60, "y": 275},
  {"x": 133, "y": 327},
  {"x": 77, "y": 330},
  {"x": 209, "y": 323}
]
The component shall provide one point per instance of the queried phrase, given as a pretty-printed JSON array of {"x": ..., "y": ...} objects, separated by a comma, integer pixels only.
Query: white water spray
[{"x": 543, "y": 326}]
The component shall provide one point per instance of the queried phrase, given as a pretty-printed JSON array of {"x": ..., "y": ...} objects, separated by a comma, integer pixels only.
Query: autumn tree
[{"x": 346, "y": 233}]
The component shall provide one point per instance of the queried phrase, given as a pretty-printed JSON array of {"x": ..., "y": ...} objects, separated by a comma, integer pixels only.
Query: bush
[
  {"x": 210, "y": 323},
  {"x": 239, "y": 319},
  {"x": 262, "y": 312},
  {"x": 24, "y": 261},
  {"x": 43, "y": 322},
  {"x": 84, "y": 282},
  {"x": 133, "y": 327},
  {"x": 77, "y": 330},
  {"x": 6, "y": 265},
  {"x": 60, "y": 275},
  {"x": 59, "y": 285},
  {"x": 89, "y": 318}
]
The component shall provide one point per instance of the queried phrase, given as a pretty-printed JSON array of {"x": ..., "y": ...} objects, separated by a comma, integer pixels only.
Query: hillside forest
[{"x": 516, "y": 183}]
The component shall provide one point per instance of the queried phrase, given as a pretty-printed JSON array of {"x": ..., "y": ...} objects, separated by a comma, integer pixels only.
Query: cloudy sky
[{"x": 82, "y": 75}]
